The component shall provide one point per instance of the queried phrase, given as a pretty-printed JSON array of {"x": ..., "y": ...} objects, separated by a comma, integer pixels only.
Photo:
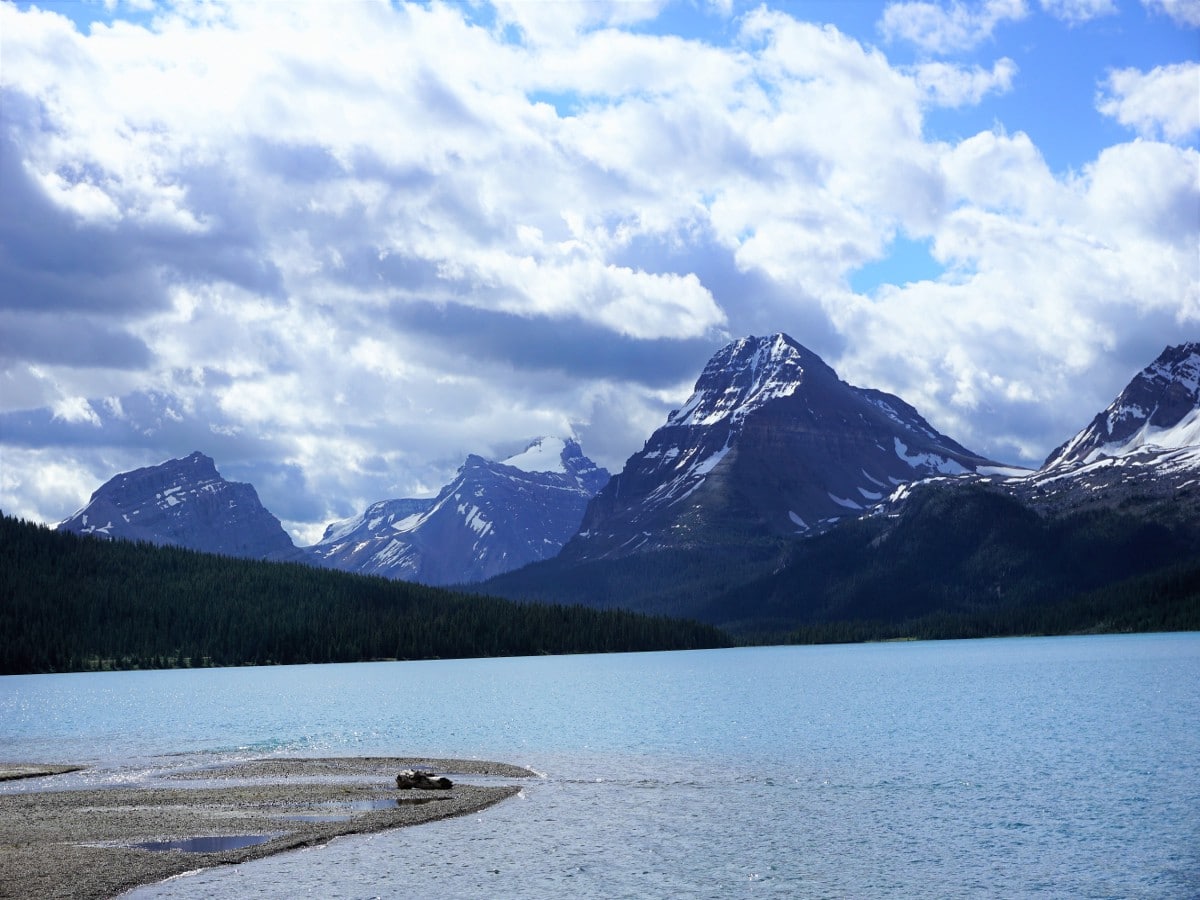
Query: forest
[
  {"x": 957, "y": 562},
  {"x": 70, "y": 603}
]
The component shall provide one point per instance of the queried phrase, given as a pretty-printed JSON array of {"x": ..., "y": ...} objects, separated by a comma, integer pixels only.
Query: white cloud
[
  {"x": 75, "y": 410},
  {"x": 1165, "y": 100},
  {"x": 1183, "y": 12},
  {"x": 1076, "y": 12},
  {"x": 563, "y": 20},
  {"x": 361, "y": 259},
  {"x": 1049, "y": 281},
  {"x": 949, "y": 85},
  {"x": 948, "y": 28}
]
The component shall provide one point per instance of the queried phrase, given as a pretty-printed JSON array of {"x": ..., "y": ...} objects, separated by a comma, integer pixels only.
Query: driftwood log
[{"x": 426, "y": 781}]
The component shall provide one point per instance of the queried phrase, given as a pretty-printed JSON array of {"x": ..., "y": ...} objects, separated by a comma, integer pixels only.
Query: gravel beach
[{"x": 84, "y": 843}]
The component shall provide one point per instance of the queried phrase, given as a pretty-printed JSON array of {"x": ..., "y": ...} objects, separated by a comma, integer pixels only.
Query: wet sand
[{"x": 81, "y": 843}]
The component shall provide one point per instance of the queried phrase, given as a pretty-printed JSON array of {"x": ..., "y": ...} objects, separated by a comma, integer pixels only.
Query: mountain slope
[
  {"x": 957, "y": 549},
  {"x": 1142, "y": 452},
  {"x": 771, "y": 443},
  {"x": 1158, "y": 409},
  {"x": 184, "y": 503},
  {"x": 1065, "y": 548},
  {"x": 493, "y": 517}
]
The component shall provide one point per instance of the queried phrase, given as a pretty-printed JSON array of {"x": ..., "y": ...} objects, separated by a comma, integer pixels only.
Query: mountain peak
[
  {"x": 1159, "y": 408},
  {"x": 183, "y": 502},
  {"x": 492, "y": 517},
  {"x": 771, "y": 442},
  {"x": 747, "y": 373},
  {"x": 544, "y": 454}
]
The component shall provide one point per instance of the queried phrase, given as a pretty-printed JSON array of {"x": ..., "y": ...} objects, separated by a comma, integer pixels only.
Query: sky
[{"x": 339, "y": 246}]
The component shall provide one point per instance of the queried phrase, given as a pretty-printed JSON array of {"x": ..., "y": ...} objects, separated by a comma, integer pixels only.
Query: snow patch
[
  {"x": 842, "y": 501},
  {"x": 1184, "y": 433},
  {"x": 543, "y": 455},
  {"x": 709, "y": 464},
  {"x": 1005, "y": 471},
  {"x": 928, "y": 460}
]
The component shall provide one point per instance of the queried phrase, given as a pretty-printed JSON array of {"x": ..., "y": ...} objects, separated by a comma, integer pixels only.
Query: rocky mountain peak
[
  {"x": 490, "y": 518},
  {"x": 747, "y": 373},
  {"x": 771, "y": 442},
  {"x": 561, "y": 455},
  {"x": 186, "y": 503},
  {"x": 1159, "y": 408}
]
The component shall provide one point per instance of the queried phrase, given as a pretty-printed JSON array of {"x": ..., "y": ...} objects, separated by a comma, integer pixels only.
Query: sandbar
[{"x": 83, "y": 843}]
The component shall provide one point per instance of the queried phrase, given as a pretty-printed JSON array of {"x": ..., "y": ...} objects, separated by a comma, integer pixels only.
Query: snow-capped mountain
[
  {"x": 771, "y": 442},
  {"x": 185, "y": 503},
  {"x": 1143, "y": 449},
  {"x": 493, "y": 517},
  {"x": 1158, "y": 410}
]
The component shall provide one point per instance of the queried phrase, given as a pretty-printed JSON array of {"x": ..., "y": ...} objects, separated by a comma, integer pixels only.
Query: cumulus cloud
[
  {"x": 1081, "y": 272},
  {"x": 340, "y": 247},
  {"x": 1076, "y": 12},
  {"x": 1164, "y": 101},
  {"x": 946, "y": 84},
  {"x": 1183, "y": 12},
  {"x": 939, "y": 28}
]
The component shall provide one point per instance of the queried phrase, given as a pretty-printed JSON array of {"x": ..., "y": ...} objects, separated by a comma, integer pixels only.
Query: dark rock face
[
  {"x": 1158, "y": 408},
  {"x": 771, "y": 442},
  {"x": 493, "y": 517},
  {"x": 184, "y": 503}
]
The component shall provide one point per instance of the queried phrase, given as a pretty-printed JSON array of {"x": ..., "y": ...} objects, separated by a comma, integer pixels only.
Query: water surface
[{"x": 1017, "y": 767}]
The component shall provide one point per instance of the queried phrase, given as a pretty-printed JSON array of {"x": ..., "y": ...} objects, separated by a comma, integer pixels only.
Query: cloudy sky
[{"x": 339, "y": 246}]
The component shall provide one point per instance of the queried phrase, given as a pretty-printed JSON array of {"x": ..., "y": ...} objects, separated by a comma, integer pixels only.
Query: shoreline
[{"x": 82, "y": 843}]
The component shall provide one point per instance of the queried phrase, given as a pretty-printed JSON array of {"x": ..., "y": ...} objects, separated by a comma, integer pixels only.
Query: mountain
[
  {"x": 1158, "y": 410},
  {"x": 1118, "y": 504},
  {"x": 184, "y": 503},
  {"x": 493, "y": 517},
  {"x": 771, "y": 443},
  {"x": 1142, "y": 452},
  {"x": 1105, "y": 536}
]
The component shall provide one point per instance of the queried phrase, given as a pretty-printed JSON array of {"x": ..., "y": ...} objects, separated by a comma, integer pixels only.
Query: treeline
[
  {"x": 665, "y": 582},
  {"x": 70, "y": 603},
  {"x": 1168, "y": 600},
  {"x": 957, "y": 562},
  {"x": 970, "y": 562}
]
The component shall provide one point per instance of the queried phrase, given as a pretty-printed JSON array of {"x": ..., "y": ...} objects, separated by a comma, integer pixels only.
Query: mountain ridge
[
  {"x": 695, "y": 515},
  {"x": 770, "y": 442},
  {"x": 184, "y": 502},
  {"x": 490, "y": 518}
]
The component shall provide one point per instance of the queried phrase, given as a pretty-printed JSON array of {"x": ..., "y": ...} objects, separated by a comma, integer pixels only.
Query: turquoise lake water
[{"x": 1030, "y": 767}]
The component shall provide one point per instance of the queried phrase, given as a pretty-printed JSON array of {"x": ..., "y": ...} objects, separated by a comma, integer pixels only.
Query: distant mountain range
[
  {"x": 950, "y": 534},
  {"x": 772, "y": 458},
  {"x": 493, "y": 517}
]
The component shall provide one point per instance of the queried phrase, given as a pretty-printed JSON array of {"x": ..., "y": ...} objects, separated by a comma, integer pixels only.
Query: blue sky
[{"x": 340, "y": 246}]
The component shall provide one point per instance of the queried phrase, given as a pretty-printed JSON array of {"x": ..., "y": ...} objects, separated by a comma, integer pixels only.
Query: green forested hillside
[
  {"x": 72, "y": 603},
  {"x": 968, "y": 562},
  {"x": 959, "y": 561}
]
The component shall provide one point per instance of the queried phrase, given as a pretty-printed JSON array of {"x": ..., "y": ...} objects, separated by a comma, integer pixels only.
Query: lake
[{"x": 1022, "y": 767}]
